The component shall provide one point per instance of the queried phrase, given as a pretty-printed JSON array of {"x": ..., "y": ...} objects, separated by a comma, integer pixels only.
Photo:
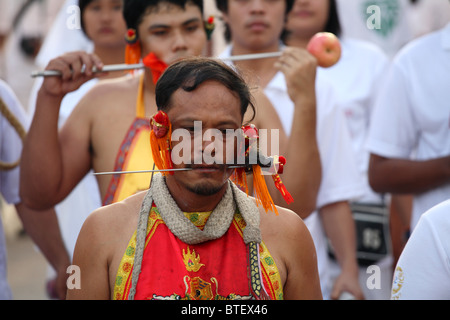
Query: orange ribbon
[{"x": 156, "y": 66}]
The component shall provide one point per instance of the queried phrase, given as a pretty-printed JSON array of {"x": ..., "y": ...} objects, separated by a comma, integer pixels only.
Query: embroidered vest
[
  {"x": 221, "y": 269},
  {"x": 134, "y": 154}
]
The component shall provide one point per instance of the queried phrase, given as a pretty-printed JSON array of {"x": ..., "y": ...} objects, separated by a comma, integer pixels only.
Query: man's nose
[
  {"x": 257, "y": 6},
  {"x": 180, "y": 42}
]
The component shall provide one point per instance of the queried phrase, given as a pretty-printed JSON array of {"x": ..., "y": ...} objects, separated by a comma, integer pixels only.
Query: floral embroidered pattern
[
  {"x": 263, "y": 273},
  {"x": 191, "y": 261}
]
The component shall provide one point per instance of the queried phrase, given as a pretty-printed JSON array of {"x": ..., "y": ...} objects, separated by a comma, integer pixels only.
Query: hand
[
  {"x": 57, "y": 287},
  {"x": 299, "y": 68},
  {"x": 347, "y": 282},
  {"x": 76, "y": 68}
]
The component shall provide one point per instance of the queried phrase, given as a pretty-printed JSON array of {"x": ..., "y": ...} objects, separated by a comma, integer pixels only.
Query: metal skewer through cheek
[
  {"x": 152, "y": 171},
  {"x": 270, "y": 163},
  {"x": 128, "y": 67}
]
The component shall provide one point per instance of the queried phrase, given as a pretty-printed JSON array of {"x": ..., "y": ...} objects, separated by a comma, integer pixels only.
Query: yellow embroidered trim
[
  {"x": 270, "y": 273},
  {"x": 269, "y": 268},
  {"x": 140, "y": 104},
  {"x": 199, "y": 219},
  {"x": 123, "y": 277}
]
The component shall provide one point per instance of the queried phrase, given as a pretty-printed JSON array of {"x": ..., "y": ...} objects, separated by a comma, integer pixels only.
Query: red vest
[{"x": 221, "y": 269}]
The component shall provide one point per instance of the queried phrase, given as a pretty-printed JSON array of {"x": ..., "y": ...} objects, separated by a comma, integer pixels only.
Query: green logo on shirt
[{"x": 382, "y": 16}]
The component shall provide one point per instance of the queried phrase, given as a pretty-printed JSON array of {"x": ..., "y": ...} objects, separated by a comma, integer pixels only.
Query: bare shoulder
[
  {"x": 291, "y": 245},
  {"x": 286, "y": 224},
  {"x": 107, "y": 230},
  {"x": 121, "y": 83},
  {"x": 107, "y": 91},
  {"x": 112, "y": 221}
]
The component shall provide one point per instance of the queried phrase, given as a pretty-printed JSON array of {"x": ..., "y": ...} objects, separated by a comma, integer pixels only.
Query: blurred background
[
  {"x": 27, "y": 267},
  {"x": 34, "y": 31}
]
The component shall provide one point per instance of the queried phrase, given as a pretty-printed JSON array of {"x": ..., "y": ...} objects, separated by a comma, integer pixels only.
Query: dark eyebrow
[
  {"x": 190, "y": 121},
  {"x": 157, "y": 26},
  {"x": 191, "y": 21}
]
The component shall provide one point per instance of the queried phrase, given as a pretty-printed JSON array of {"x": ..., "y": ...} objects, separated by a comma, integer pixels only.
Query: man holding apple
[
  {"x": 356, "y": 79},
  {"x": 313, "y": 131}
]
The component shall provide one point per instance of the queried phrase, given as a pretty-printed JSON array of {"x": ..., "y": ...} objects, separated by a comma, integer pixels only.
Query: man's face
[
  {"x": 308, "y": 17},
  {"x": 172, "y": 32},
  {"x": 218, "y": 109},
  {"x": 255, "y": 24},
  {"x": 104, "y": 23}
]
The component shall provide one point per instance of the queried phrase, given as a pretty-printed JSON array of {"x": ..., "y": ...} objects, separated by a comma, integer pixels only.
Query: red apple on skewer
[{"x": 325, "y": 46}]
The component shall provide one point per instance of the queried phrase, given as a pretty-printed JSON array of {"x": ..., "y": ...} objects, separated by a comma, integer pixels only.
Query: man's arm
[
  {"x": 43, "y": 228},
  {"x": 407, "y": 176},
  {"x": 53, "y": 164},
  {"x": 339, "y": 227},
  {"x": 91, "y": 257},
  {"x": 303, "y": 172}
]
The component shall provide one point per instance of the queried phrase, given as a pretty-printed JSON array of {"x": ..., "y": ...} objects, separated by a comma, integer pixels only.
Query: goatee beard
[{"x": 205, "y": 189}]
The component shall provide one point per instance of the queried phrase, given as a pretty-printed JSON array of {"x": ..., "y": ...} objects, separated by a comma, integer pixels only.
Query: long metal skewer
[
  {"x": 138, "y": 171},
  {"x": 150, "y": 171},
  {"x": 108, "y": 68},
  {"x": 127, "y": 67},
  {"x": 253, "y": 56}
]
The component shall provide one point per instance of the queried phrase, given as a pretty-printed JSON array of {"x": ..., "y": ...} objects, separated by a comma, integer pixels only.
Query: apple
[{"x": 326, "y": 48}]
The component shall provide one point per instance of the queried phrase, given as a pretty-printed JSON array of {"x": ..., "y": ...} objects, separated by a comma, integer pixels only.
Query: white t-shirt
[
  {"x": 356, "y": 79},
  {"x": 18, "y": 66},
  {"x": 428, "y": 16},
  {"x": 412, "y": 116},
  {"x": 11, "y": 144},
  {"x": 382, "y": 22},
  {"x": 10, "y": 151},
  {"x": 423, "y": 269},
  {"x": 340, "y": 179},
  {"x": 65, "y": 35},
  {"x": 85, "y": 197},
  {"x": 60, "y": 39}
]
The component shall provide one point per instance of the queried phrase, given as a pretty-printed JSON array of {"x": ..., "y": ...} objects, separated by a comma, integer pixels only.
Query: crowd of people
[{"x": 367, "y": 143}]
